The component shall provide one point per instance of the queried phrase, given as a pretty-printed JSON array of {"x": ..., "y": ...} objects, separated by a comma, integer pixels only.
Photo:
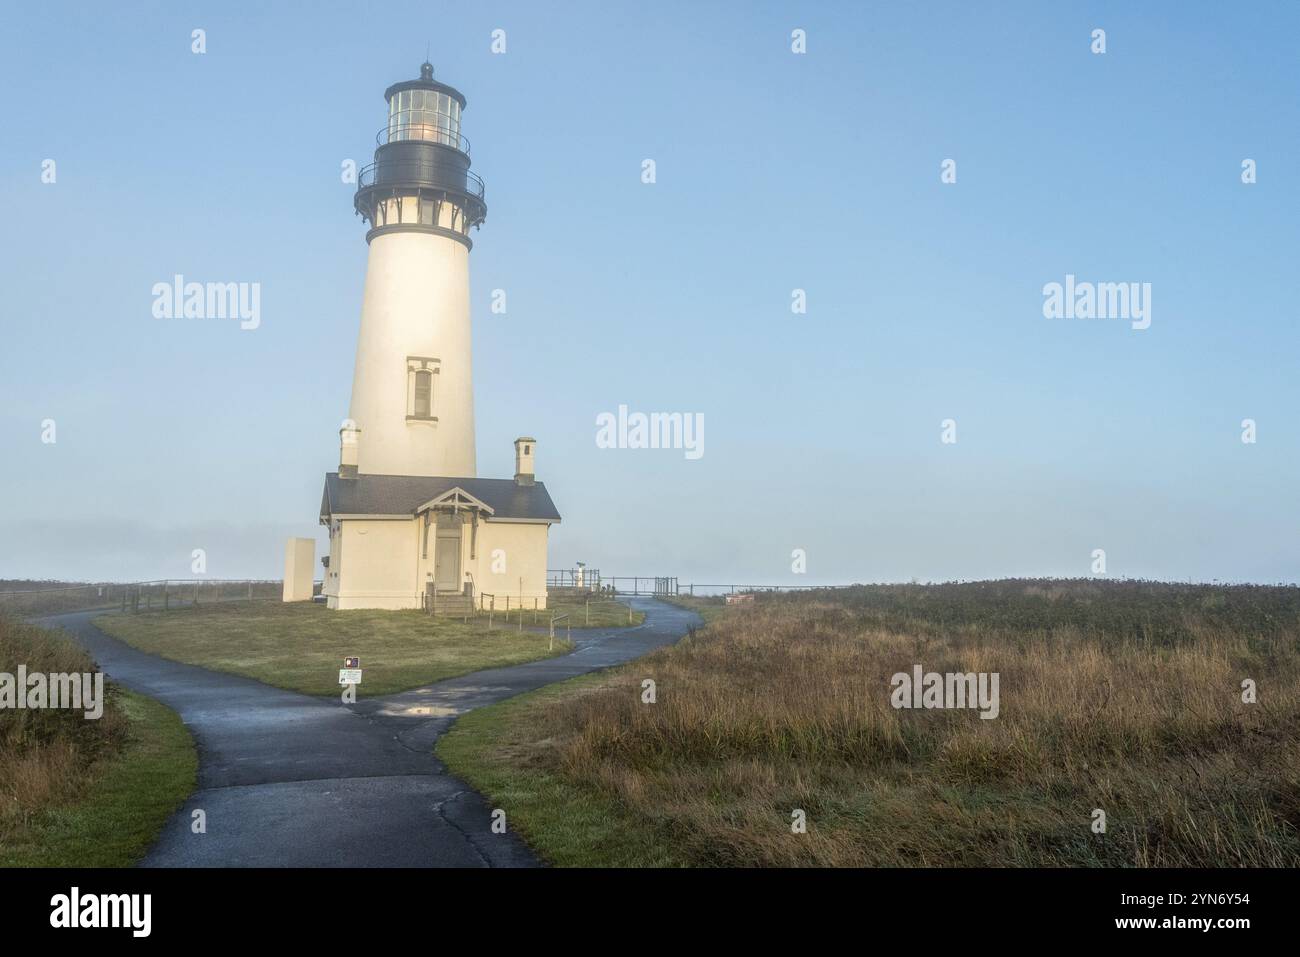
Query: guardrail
[
  {"x": 586, "y": 579},
  {"x": 568, "y": 630},
  {"x": 415, "y": 174},
  {"x": 658, "y": 586}
]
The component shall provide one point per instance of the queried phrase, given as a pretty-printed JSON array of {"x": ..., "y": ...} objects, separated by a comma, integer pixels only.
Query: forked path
[{"x": 291, "y": 780}]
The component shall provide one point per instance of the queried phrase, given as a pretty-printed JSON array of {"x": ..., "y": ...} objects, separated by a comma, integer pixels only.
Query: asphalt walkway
[{"x": 290, "y": 780}]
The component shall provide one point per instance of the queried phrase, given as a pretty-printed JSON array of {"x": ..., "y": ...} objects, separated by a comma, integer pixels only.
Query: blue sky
[{"x": 775, "y": 171}]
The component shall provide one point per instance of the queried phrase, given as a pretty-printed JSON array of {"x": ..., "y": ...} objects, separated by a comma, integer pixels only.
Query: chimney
[
  {"x": 524, "y": 449},
  {"x": 349, "y": 441}
]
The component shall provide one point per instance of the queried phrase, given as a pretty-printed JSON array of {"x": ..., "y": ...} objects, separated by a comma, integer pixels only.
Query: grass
[
  {"x": 563, "y": 820},
  {"x": 301, "y": 646},
  {"x": 82, "y": 793},
  {"x": 708, "y": 608},
  {"x": 1121, "y": 696},
  {"x": 588, "y": 612}
]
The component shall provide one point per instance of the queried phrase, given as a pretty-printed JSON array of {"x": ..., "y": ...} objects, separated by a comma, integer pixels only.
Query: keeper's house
[{"x": 405, "y": 541}]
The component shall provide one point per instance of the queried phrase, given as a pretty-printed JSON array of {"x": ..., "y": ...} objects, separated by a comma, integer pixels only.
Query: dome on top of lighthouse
[{"x": 425, "y": 81}]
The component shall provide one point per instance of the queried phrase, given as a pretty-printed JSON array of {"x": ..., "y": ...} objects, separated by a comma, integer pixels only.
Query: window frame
[{"x": 415, "y": 365}]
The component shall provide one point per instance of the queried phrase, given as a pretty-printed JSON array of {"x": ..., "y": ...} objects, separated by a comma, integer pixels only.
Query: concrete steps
[{"x": 453, "y": 606}]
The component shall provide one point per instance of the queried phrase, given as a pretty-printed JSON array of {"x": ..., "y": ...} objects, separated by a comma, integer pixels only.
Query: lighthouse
[
  {"x": 412, "y": 410},
  {"x": 411, "y": 525}
]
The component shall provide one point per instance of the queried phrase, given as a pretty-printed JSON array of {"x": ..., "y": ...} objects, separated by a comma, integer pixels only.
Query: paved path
[{"x": 291, "y": 780}]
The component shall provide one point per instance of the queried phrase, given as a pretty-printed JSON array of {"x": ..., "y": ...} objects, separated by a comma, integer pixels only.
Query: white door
[{"x": 446, "y": 561}]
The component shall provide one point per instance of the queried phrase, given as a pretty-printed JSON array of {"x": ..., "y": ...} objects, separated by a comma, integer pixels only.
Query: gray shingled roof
[{"x": 403, "y": 494}]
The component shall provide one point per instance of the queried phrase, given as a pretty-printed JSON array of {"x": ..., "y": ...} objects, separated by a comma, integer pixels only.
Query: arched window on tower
[
  {"x": 420, "y": 372},
  {"x": 423, "y": 394}
]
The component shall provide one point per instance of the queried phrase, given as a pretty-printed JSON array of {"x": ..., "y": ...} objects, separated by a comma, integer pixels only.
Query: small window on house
[
  {"x": 420, "y": 374},
  {"x": 526, "y": 451}
]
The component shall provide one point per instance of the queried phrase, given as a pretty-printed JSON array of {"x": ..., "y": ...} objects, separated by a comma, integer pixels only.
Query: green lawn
[
  {"x": 709, "y": 608},
  {"x": 595, "y": 612},
  {"x": 125, "y": 798},
  {"x": 301, "y": 646}
]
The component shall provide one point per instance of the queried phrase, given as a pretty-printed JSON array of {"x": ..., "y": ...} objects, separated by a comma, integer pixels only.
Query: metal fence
[
  {"x": 653, "y": 586},
  {"x": 708, "y": 590},
  {"x": 174, "y": 592},
  {"x": 660, "y": 586},
  {"x": 585, "y": 579},
  {"x": 138, "y": 596}
]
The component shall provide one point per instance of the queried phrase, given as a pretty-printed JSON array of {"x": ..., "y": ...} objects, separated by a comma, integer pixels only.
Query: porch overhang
[{"x": 455, "y": 499}]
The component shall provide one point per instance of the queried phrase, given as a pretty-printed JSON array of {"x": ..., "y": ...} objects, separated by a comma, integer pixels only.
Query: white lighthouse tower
[
  {"x": 412, "y": 410},
  {"x": 410, "y": 522}
]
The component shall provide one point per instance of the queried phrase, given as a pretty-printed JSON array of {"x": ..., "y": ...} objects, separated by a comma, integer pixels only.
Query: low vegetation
[
  {"x": 77, "y": 792},
  {"x": 592, "y": 610},
  {"x": 23, "y": 598},
  {"x": 301, "y": 646},
  {"x": 1125, "y": 698}
]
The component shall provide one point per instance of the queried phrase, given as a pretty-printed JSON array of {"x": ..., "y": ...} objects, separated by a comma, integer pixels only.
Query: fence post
[
  {"x": 167, "y": 601},
  {"x": 250, "y": 591},
  {"x": 587, "y": 621}
]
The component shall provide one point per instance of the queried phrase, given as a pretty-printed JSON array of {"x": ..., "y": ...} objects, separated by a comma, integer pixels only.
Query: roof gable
[{"x": 458, "y": 497}]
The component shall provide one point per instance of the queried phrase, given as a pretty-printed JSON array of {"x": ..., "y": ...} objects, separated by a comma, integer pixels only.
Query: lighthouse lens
[{"x": 424, "y": 115}]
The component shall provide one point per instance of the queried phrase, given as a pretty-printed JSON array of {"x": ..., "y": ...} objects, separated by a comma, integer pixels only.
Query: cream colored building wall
[
  {"x": 331, "y": 583},
  {"x": 299, "y": 562},
  {"x": 383, "y": 564},
  {"x": 416, "y": 303},
  {"x": 523, "y": 549},
  {"x": 377, "y": 565}
]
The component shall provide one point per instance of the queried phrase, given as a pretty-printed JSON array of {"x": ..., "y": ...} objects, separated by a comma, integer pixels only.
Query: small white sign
[{"x": 349, "y": 676}]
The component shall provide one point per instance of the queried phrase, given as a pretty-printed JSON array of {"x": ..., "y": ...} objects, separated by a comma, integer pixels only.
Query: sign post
[{"x": 350, "y": 673}]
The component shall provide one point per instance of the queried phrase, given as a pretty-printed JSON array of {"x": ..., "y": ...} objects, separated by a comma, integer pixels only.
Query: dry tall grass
[
  {"x": 1123, "y": 697},
  {"x": 45, "y": 753}
]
